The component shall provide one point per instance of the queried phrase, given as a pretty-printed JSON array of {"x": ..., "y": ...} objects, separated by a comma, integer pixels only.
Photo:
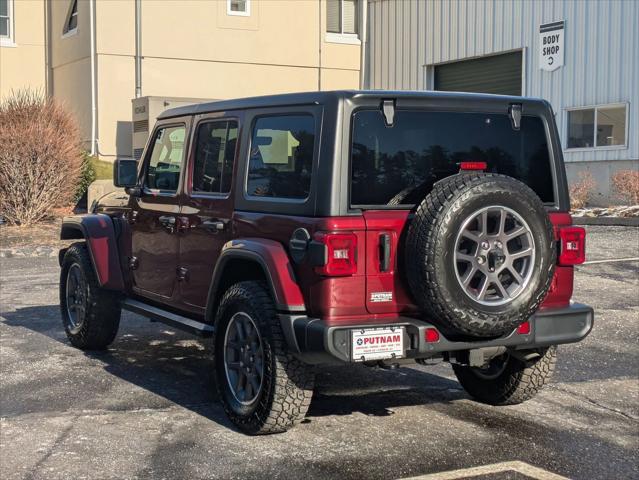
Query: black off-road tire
[
  {"x": 287, "y": 385},
  {"x": 519, "y": 381},
  {"x": 102, "y": 310},
  {"x": 430, "y": 244}
]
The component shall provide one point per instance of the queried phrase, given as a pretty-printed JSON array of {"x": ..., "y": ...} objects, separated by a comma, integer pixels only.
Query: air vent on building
[
  {"x": 137, "y": 153},
  {"x": 141, "y": 126}
]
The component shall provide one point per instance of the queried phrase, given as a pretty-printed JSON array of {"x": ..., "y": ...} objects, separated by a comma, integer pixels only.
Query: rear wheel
[
  {"x": 90, "y": 314},
  {"x": 507, "y": 380},
  {"x": 263, "y": 388}
]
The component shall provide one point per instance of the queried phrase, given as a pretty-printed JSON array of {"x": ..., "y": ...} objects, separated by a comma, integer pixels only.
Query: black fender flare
[
  {"x": 275, "y": 264},
  {"x": 99, "y": 233}
]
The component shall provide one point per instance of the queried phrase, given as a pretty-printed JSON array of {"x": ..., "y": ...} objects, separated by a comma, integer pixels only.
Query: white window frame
[
  {"x": 341, "y": 37},
  {"x": 626, "y": 105},
  {"x": 69, "y": 33},
  {"x": 245, "y": 13},
  {"x": 9, "y": 41}
]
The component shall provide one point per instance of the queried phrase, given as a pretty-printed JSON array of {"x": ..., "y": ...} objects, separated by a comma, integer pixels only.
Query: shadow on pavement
[{"x": 179, "y": 368}]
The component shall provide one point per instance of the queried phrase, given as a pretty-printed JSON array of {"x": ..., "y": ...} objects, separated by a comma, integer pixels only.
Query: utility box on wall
[{"x": 145, "y": 113}]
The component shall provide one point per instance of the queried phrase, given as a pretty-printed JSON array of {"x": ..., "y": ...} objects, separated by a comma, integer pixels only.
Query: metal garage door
[{"x": 495, "y": 74}]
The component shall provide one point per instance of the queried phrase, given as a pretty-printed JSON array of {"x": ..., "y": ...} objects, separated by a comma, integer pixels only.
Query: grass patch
[{"x": 103, "y": 170}]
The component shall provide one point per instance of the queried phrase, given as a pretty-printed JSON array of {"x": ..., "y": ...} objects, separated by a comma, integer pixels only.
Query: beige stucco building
[
  {"x": 97, "y": 55},
  {"x": 22, "y": 45}
]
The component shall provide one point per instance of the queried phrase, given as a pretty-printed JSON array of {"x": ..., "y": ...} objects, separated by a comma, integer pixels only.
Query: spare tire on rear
[{"x": 480, "y": 254}]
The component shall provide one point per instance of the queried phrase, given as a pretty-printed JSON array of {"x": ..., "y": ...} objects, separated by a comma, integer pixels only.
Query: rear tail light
[
  {"x": 340, "y": 257},
  {"x": 572, "y": 246}
]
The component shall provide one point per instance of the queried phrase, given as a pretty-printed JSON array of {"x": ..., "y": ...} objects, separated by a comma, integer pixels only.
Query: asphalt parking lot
[{"x": 146, "y": 408}]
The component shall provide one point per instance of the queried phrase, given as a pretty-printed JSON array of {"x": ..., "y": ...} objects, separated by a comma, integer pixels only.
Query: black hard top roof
[{"x": 318, "y": 98}]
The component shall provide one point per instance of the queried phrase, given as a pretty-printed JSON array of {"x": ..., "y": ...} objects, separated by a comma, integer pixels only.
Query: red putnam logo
[{"x": 381, "y": 339}]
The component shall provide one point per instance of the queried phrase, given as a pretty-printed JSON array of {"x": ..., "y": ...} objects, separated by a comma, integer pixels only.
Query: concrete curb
[{"x": 607, "y": 221}]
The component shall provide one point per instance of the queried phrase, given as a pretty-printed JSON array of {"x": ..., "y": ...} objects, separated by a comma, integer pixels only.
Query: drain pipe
[
  {"x": 94, "y": 107},
  {"x": 319, "y": 65},
  {"x": 138, "y": 48},
  {"x": 363, "y": 46}
]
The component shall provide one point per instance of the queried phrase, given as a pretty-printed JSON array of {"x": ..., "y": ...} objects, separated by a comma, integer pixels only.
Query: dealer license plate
[{"x": 377, "y": 343}]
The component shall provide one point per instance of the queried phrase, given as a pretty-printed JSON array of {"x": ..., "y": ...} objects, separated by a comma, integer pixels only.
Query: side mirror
[{"x": 125, "y": 173}]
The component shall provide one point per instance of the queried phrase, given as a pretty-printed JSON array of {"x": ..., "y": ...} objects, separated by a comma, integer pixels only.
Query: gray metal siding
[{"x": 601, "y": 62}]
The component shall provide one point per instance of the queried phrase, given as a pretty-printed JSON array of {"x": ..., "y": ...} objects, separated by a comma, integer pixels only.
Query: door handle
[
  {"x": 213, "y": 226},
  {"x": 168, "y": 222}
]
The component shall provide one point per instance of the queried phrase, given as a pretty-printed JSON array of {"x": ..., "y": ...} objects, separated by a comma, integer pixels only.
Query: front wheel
[
  {"x": 263, "y": 388},
  {"x": 90, "y": 314},
  {"x": 507, "y": 380}
]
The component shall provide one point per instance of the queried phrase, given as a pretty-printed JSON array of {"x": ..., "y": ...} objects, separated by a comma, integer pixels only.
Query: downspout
[
  {"x": 48, "y": 70},
  {"x": 138, "y": 48},
  {"x": 363, "y": 47},
  {"x": 94, "y": 107},
  {"x": 319, "y": 69}
]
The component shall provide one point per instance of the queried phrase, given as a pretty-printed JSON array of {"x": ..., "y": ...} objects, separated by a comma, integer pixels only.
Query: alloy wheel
[
  {"x": 494, "y": 255},
  {"x": 243, "y": 358},
  {"x": 76, "y": 297}
]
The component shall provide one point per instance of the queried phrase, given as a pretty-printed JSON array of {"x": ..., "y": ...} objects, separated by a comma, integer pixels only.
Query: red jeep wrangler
[{"x": 339, "y": 227}]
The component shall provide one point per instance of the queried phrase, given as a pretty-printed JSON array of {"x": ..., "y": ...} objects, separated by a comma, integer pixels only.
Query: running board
[{"x": 173, "y": 319}]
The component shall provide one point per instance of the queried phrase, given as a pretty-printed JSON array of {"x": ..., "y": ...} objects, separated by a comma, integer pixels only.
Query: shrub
[
  {"x": 581, "y": 190},
  {"x": 87, "y": 176},
  {"x": 103, "y": 170},
  {"x": 626, "y": 185},
  {"x": 40, "y": 156}
]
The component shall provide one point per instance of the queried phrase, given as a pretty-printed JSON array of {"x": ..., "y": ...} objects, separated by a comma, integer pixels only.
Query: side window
[
  {"x": 214, "y": 156},
  {"x": 281, "y": 157},
  {"x": 163, "y": 171}
]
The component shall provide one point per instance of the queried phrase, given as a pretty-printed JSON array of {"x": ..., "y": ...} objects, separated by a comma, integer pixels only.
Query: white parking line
[
  {"x": 515, "y": 466},
  {"x": 612, "y": 260}
]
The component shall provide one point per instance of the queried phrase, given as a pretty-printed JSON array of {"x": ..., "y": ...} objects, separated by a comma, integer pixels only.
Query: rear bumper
[{"x": 315, "y": 342}]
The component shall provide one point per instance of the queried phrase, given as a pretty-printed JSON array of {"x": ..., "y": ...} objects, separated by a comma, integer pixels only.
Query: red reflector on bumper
[
  {"x": 524, "y": 328},
  {"x": 431, "y": 335}
]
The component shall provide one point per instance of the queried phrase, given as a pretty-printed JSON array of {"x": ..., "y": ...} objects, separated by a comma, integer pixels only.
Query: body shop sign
[{"x": 551, "y": 46}]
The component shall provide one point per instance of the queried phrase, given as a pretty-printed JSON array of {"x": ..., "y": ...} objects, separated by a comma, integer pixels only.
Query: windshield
[{"x": 398, "y": 165}]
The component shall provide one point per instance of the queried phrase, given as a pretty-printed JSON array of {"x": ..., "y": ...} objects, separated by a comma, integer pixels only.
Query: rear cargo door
[{"x": 385, "y": 289}]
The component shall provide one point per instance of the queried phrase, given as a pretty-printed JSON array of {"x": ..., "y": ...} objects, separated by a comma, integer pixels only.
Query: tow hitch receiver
[{"x": 480, "y": 357}]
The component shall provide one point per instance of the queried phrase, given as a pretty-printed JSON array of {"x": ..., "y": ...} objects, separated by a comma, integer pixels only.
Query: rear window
[
  {"x": 398, "y": 165},
  {"x": 281, "y": 157}
]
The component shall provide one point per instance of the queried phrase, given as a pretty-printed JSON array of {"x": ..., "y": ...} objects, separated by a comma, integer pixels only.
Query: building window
[
  {"x": 71, "y": 25},
  {"x": 597, "y": 127},
  {"x": 6, "y": 22},
  {"x": 238, "y": 7},
  {"x": 342, "y": 17}
]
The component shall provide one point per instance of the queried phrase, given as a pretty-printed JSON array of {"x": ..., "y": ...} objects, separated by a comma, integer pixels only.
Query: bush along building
[{"x": 580, "y": 56}]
